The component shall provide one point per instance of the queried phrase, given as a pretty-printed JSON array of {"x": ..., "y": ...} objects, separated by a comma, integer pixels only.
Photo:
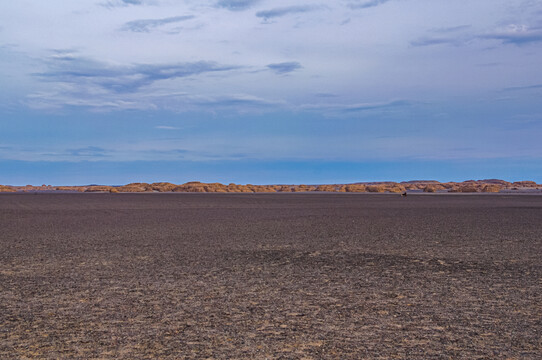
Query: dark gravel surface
[{"x": 270, "y": 276}]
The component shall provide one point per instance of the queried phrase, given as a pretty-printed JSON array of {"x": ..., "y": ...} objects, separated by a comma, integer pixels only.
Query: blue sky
[{"x": 257, "y": 91}]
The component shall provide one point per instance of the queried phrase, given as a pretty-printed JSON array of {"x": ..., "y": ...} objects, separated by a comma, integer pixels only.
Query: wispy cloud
[
  {"x": 165, "y": 127},
  {"x": 81, "y": 82},
  {"x": 326, "y": 95},
  {"x": 69, "y": 68},
  {"x": 78, "y": 97},
  {"x": 236, "y": 5},
  {"x": 429, "y": 41},
  {"x": 528, "y": 87},
  {"x": 89, "y": 151},
  {"x": 123, "y": 3},
  {"x": 366, "y": 4},
  {"x": 244, "y": 100},
  {"x": 490, "y": 64},
  {"x": 454, "y": 35},
  {"x": 285, "y": 67},
  {"x": 376, "y": 106},
  {"x": 145, "y": 25},
  {"x": 515, "y": 34},
  {"x": 78, "y": 81},
  {"x": 452, "y": 29},
  {"x": 512, "y": 34},
  {"x": 282, "y": 11},
  {"x": 347, "y": 108}
]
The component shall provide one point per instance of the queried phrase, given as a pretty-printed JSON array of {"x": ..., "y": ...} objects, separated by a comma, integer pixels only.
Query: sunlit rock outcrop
[
  {"x": 491, "y": 188},
  {"x": 162, "y": 186},
  {"x": 135, "y": 187},
  {"x": 355, "y": 188},
  {"x": 525, "y": 184},
  {"x": 430, "y": 189}
]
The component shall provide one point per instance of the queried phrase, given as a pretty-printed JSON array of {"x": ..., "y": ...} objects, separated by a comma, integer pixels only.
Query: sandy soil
[{"x": 270, "y": 276}]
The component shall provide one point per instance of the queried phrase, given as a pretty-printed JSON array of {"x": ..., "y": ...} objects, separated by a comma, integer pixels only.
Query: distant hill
[{"x": 428, "y": 186}]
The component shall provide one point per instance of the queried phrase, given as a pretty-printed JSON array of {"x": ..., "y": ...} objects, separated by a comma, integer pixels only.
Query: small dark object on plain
[{"x": 404, "y": 194}]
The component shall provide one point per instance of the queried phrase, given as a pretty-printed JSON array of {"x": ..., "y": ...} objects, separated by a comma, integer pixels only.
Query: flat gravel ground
[{"x": 270, "y": 276}]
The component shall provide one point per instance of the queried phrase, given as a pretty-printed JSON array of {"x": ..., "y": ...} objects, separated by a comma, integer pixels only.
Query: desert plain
[{"x": 270, "y": 276}]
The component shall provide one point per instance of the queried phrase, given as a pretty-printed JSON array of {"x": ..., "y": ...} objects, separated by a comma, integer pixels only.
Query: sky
[{"x": 264, "y": 92}]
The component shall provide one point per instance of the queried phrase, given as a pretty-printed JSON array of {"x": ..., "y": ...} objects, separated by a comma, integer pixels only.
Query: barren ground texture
[{"x": 270, "y": 276}]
